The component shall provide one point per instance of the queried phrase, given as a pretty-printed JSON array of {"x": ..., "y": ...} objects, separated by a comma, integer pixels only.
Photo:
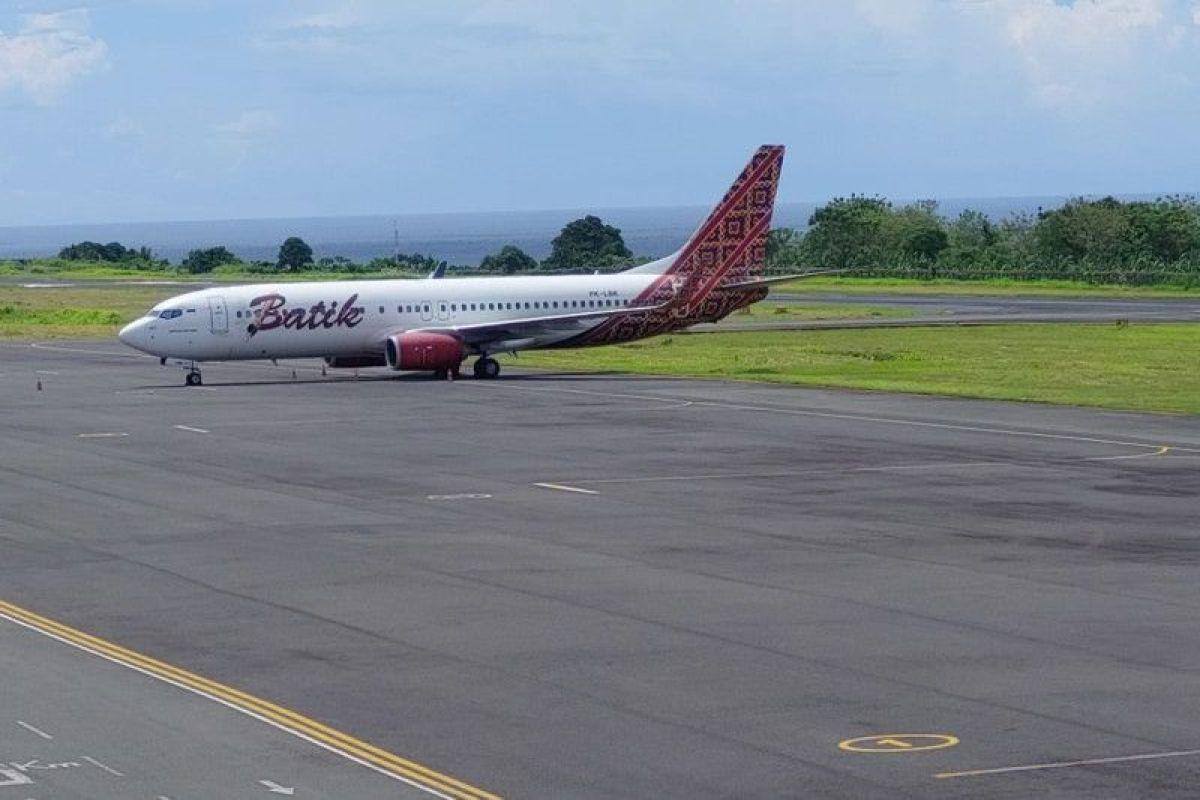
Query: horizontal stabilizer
[{"x": 758, "y": 283}]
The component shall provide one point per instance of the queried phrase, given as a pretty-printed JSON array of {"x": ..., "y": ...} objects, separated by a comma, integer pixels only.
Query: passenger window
[
  {"x": 381, "y": 309},
  {"x": 508, "y": 306},
  {"x": 526, "y": 305},
  {"x": 427, "y": 306}
]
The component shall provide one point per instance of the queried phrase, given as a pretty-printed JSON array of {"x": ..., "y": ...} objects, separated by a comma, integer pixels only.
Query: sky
[{"x": 144, "y": 110}]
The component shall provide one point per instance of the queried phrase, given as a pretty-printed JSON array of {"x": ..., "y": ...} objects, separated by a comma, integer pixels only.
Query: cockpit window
[{"x": 171, "y": 313}]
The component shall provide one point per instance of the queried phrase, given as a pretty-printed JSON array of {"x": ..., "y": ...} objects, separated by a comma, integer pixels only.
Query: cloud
[
  {"x": 248, "y": 125},
  {"x": 48, "y": 53},
  {"x": 1089, "y": 54},
  {"x": 235, "y": 139},
  {"x": 1068, "y": 56},
  {"x": 124, "y": 127}
]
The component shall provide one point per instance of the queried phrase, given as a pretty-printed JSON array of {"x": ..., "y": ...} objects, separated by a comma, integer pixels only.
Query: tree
[
  {"x": 784, "y": 249},
  {"x": 1093, "y": 229},
  {"x": 94, "y": 251},
  {"x": 916, "y": 230},
  {"x": 587, "y": 243},
  {"x": 969, "y": 237},
  {"x": 848, "y": 232},
  {"x": 1167, "y": 229},
  {"x": 294, "y": 255},
  {"x": 206, "y": 260},
  {"x": 508, "y": 260}
]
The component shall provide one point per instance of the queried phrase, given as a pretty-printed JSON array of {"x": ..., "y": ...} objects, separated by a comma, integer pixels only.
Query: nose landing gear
[{"x": 486, "y": 367}]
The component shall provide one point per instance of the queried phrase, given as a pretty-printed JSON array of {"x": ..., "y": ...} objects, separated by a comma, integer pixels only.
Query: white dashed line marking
[
  {"x": 189, "y": 428},
  {"x": 1061, "y": 764},
  {"x": 35, "y": 731},
  {"x": 103, "y": 766},
  {"x": 561, "y": 488}
]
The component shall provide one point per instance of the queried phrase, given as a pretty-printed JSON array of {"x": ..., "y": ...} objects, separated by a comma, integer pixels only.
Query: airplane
[{"x": 437, "y": 323}]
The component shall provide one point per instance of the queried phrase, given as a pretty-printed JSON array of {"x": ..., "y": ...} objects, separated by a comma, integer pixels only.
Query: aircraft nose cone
[{"x": 134, "y": 335}]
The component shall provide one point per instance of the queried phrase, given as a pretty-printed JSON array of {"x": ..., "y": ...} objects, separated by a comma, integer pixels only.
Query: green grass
[
  {"x": 1137, "y": 367},
  {"x": 903, "y": 286},
  {"x": 74, "y": 311}
]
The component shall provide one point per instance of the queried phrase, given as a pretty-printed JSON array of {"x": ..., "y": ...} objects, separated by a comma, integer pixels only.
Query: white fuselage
[{"x": 353, "y": 318}]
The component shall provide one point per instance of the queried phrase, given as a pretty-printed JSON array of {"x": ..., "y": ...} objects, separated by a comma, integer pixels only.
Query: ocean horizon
[{"x": 457, "y": 238}]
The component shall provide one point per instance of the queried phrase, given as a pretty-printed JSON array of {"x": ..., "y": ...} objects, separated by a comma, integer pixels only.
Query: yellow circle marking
[{"x": 898, "y": 743}]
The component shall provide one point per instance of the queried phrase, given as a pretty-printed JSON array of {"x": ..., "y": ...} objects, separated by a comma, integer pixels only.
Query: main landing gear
[
  {"x": 193, "y": 377},
  {"x": 487, "y": 367}
]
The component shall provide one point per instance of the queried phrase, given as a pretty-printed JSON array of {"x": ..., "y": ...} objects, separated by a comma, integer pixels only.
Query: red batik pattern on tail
[{"x": 730, "y": 246}]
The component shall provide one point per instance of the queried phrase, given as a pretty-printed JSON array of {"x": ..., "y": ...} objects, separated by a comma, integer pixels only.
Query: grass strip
[{"x": 1135, "y": 367}]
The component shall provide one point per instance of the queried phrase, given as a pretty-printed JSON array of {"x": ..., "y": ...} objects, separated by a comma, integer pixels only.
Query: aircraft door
[
  {"x": 426, "y": 311},
  {"x": 218, "y": 314},
  {"x": 443, "y": 310}
]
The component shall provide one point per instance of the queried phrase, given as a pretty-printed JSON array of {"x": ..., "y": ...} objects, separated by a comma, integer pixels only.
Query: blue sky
[{"x": 210, "y": 109}]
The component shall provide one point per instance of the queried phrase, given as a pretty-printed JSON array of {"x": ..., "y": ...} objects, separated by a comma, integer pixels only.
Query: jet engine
[
  {"x": 354, "y": 362},
  {"x": 417, "y": 350}
]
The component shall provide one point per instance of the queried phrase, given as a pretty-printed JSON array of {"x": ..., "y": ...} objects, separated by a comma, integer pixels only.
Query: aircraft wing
[{"x": 529, "y": 328}]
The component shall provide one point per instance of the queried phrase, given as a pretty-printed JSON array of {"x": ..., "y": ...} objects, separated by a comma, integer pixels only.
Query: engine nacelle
[
  {"x": 354, "y": 362},
  {"x": 417, "y": 350}
]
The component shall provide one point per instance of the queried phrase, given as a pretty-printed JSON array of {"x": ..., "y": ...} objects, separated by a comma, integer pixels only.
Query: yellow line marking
[
  {"x": 895, "y": 743},
  {"x": 402, "y": 769},
  {"x": 1060, "y": 764},
  {"x": 898, "y": 743}
]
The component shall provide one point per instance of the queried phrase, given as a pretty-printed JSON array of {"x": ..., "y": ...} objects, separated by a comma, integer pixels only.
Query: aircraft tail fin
[
  {"x": 730, "y": 245},
  {"x": 729, "y": 248}
]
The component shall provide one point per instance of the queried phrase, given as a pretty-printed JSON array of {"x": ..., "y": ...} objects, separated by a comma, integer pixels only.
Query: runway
[
  {"x": 595, "y": 586},
  {"x": 929, "y": 310}
]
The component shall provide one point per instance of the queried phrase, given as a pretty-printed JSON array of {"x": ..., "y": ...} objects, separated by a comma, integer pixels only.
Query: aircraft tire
[{"x": 486, "y": 368}]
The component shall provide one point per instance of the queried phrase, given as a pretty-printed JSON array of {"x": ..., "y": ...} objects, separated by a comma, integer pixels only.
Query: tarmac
[
  {"x": 592, "y": 586},
  {"x": 935, "y": 310}
]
